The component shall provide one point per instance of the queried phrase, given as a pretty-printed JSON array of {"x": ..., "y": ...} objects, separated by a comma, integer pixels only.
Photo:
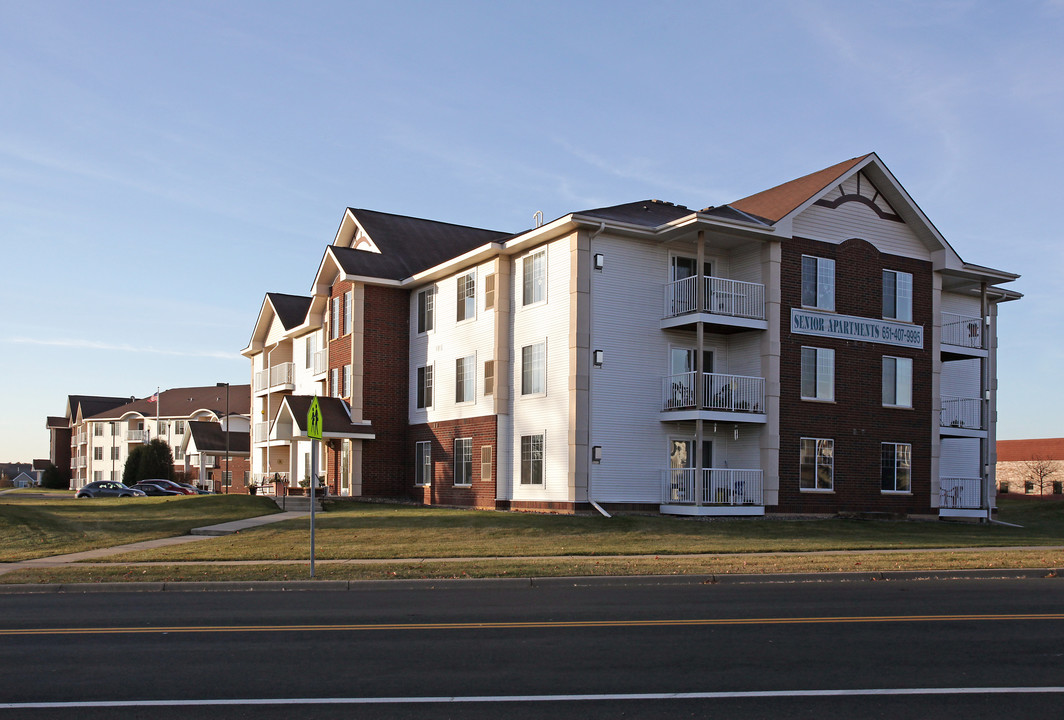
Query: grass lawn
[
  {"x": 34, "y": 527},
  {"x": 363, "y": 530}
]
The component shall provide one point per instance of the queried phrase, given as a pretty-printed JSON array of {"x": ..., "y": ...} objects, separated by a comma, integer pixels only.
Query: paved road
[{"x": 466, "y": 649}]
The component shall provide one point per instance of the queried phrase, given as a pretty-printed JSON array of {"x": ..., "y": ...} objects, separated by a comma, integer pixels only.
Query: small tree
[
  {"x": 55, "y": 478},
  {"x": 154, "y": 460},
  {"x": 1038, "y": 471}
]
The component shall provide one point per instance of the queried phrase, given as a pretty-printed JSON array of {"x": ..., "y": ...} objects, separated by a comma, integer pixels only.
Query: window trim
[
  {"x": 896, "y": 404},
  {"x": 423, "y": 387},
  {"x": 425, "y": 308},
  {"x": 468, "y": 377},
  {"x": 348, "y": 311},
  {"x": 819, "y": 272},
  {"x": 897, "y": 297},
  {"x": 527, "y": 471},
  {"x": 541, "y": 374},
  {"x": 423, "y": 463},
  {"x": 827, "y": 352},
  {"x": 882, "y": 469},
  {"x": 528, "y": 276},
  {"x": 465, "y": 298},
  {"x": 816, "y": 464},
  {"x": 467, "y": 442}
]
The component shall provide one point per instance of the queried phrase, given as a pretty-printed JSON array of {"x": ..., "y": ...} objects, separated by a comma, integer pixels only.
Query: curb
[{"x": 531, "y": 583}]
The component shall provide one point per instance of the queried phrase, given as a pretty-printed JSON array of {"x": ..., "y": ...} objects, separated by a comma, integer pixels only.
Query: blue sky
[{"x": 164, "y": 165}]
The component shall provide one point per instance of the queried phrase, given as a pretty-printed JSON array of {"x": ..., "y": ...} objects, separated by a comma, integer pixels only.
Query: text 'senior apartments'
[{"x": 815, "y": 348}]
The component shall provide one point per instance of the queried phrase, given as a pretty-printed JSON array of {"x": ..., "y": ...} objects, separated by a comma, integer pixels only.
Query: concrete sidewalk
[{"x": 196, "y": 534}]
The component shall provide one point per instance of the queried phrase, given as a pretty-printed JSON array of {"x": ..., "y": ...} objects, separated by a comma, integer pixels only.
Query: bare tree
[{"x": 1038, "y": 471}]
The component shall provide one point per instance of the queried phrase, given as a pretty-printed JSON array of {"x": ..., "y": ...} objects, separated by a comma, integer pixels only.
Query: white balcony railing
[
  {"x": 960, "y": 412},
  {"x": 136, "y": 435},
  {"x": 721, "y": 296},
  {"x": 283, "y": 374},
  {"x": 321, "y": 361},
  {"x": 721, "y": 392},
  {"x": 962, "y": 330},
  {"x": 82, "y": 461},
  {"x": 262, "y": 380},
  {"x": 719, "y": 487},
  {"x": 960, "y": 492},
  {"x": 83, "y": 438},
  {"x": 267, "y": 478},
  {"x": 262, "y": 431}
]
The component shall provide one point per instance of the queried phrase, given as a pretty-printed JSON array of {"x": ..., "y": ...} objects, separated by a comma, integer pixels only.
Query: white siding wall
[
  {"x": 959, "y": 458},
  {"x": 546, "y": 414},
  {"x": 444, "y": 344},
  {"x": 960, "y": 304},
  {"x": 854, "y": 219},
  {"x": 960, "y": 378}
]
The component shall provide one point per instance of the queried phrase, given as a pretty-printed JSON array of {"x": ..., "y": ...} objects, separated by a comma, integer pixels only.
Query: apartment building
[
  {"x": 104, "y": 430},
  {"x": 817, "y": 347}
]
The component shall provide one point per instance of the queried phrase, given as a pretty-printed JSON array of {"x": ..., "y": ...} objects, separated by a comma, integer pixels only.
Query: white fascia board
[
  {"x": 473, "y": 257},
  {"x": 318, "y": 287},
  {"x": 344, "y": 231},
  {"x": 257, "y": 342},
  {"x": 367, "y": 280}
]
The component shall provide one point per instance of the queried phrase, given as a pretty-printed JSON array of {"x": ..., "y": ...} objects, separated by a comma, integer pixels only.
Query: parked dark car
[
  {"x": 150, "y": 488},
  {"x": 169, "y": 485},
  {"x": 193, "y": 488},
  {"x": 108, "y": 488}
]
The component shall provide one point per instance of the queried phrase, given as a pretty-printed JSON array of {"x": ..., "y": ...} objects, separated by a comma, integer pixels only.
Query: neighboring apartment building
[
  {"x": 103, "y": 432},
  {"x": 69, "y": 438},
  {"x": 1031, "y": 467},
  {"x": 815, "y": 348}
]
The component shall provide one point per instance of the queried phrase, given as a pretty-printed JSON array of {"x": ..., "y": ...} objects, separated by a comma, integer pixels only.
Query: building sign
[{"x": 848, "y": 327}]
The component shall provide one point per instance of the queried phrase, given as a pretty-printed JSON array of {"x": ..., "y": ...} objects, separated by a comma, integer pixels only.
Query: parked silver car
[{"x": 107, "y": 488}]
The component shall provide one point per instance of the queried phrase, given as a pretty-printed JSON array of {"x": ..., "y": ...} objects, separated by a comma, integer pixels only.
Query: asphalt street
[{"x": 560, "y": 649}]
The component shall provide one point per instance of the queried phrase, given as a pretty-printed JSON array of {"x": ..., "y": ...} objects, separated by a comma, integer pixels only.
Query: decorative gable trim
[{"x": 859, "y": 188}]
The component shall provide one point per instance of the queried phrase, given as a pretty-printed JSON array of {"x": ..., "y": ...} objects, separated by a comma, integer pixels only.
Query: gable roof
[
  {"x": 648, "y": 213},
  {"x": 89, "y": 405},
  {"x": 776, "y": 203},
  {"x": 1035, "y": 449},
  {"x": 210, "y": 438},
  {"x": 335, "y": 417},
  {"x": 291, "y": 310},
  {"x": 408, "y": 245}
]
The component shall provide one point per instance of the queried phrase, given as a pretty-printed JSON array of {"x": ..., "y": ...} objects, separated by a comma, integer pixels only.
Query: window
[
  {"x": 334, "y": 319},
  {"x": 179, "y": 427},
  {"x": 898, "y": 295},
  {"x": 97, "y": 430},
  {"x": 115, "y": 453},
  {"x": 424, "y": 387},
  {"x": 534, "y": 275},
  {"x": 489, "y": 291},
  {"x": 464, "y": 379},
  {"x": 463, "y": 461},
  {"x": 179, "y": 454},
  {"x": 114, "y": 476},
  {"x": 898, "y": 381},
  {"x": 531, "y": 459},
  {"x": 334, "y": 382},
  {"x": 423, "y": 463},
  {"x": 467, "y": 296},
  {"x": 485, "y": 462},
  {"x": 534, "y": 369},
  {"x": 347, "y": 313},
  {"x": 346, "y": 390},
  {"x": 426, "y": 309},
  {"x": 817, "y": 464},
  {"x": 896, "y": 467},
  {"x": 97, "y": 453},
  {"x": 97, "y": 475},
  {"x": 311, "y": 347},
  {"x": 489, "y": 377},
  {"x": 818, "y": 283},
  {"x": 114, "y": 429},
  {"x": 818, "y": 374}
]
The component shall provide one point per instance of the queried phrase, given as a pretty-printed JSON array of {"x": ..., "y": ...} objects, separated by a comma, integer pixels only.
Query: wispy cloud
[{"x": 115, "y": 347}]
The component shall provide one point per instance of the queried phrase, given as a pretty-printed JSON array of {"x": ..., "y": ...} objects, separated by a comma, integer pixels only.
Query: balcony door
[{"x": 682, "y": 267}]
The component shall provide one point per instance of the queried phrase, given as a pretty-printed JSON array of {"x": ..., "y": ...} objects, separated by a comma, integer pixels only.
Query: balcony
[
  {"x": 136, "y": 435},
  {"x": 733, "y": 398},
  {"x": 83, "y": 438},
  {"x": 321, "y": 362},
  {"x": 728, "y": 305},
  {"x": 261, "y": 432},
  {"x": 721, "y": 492},
  {"x": 962, "y": 416},
  {"x": 278, "y": 378},
  {"x": 960, "y": 497},
  {"x": 962, "y": 337}
]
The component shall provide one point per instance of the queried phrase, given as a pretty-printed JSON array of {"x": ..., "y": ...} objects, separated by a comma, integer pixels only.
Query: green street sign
[{"x": 314, "y": 420}]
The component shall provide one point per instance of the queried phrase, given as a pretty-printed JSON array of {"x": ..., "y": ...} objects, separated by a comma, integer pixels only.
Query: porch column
[{"x": 700, "y": 292}]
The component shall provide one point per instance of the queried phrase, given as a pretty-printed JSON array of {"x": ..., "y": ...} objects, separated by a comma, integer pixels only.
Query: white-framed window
[
  {"x": 114, "y": 476},
  {"x": 897, "y": 381},
  {"x": 179, "y": 427},
  {"x": 426, "y": 309},
  {"x": 97, "y": 429},
  {"x": 898, "y": 295},
  {"x": 489, "y": 377},
  {"x": 115, "y": 453},
  {"x": 467, "y": 296},
  {"x": 423, "y": 391},
  {"x": 347, "y": 312},
  {"x": 423, "y": 463},
  {"x": 532, "y": 459},
  {"x": 97, "y": 453},
  {"x": 179, "y": 454},
  {"x": 534, "y": 277},
  {"x": 464, "y": 379},
  {"x": 817, "y": 464},
  {"x": 334, "y": 318},
  {"x": 311, "y": 348},
  {"x": 97, "y": 475},
  {"x": 896, "y": 467},
  {"x": 818, "y": 283},
  {"x": 463, "y": 461},
  {"x": 818, "y": 374},
  {"x": 114, "y": 429},
  {"x": 534, "y": 369},
  {"x": 346, "y": 390},
  {"x": 334, "y": 382}
]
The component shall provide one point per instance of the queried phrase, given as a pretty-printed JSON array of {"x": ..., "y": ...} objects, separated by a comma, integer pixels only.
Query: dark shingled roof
[
  {"x": 291, "y": 309},
  {"x": 649, "y": 213},
  {"x": 334, "y": 416},
  {"x": 209, "y": 438},
  {"x": 57, "y": 422},
  {"x": 93, "y": 404},
  {"x": 182, "y": 402},
  {"x": 409, "y": 245}
]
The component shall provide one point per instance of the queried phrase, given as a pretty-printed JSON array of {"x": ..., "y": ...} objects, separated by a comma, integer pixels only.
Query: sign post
[{"x": 314, "y": 433}]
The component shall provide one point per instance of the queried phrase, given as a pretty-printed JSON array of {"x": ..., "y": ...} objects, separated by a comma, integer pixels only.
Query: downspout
[
  {"x": 590, "y": 363},
  {"x": 984, "y": 459}
]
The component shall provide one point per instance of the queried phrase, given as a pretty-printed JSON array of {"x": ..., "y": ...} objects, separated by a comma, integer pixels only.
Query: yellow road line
[{"x": 527, "y": 625}]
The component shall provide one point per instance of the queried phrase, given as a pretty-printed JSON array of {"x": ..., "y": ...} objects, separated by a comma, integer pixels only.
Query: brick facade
[
  {"x": 856, "y": 420},
  {"x": 442, "y": 491}
]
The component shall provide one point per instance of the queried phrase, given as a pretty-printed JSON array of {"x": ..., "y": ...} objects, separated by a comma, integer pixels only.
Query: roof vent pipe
[{"x": 537, "y": 217}]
